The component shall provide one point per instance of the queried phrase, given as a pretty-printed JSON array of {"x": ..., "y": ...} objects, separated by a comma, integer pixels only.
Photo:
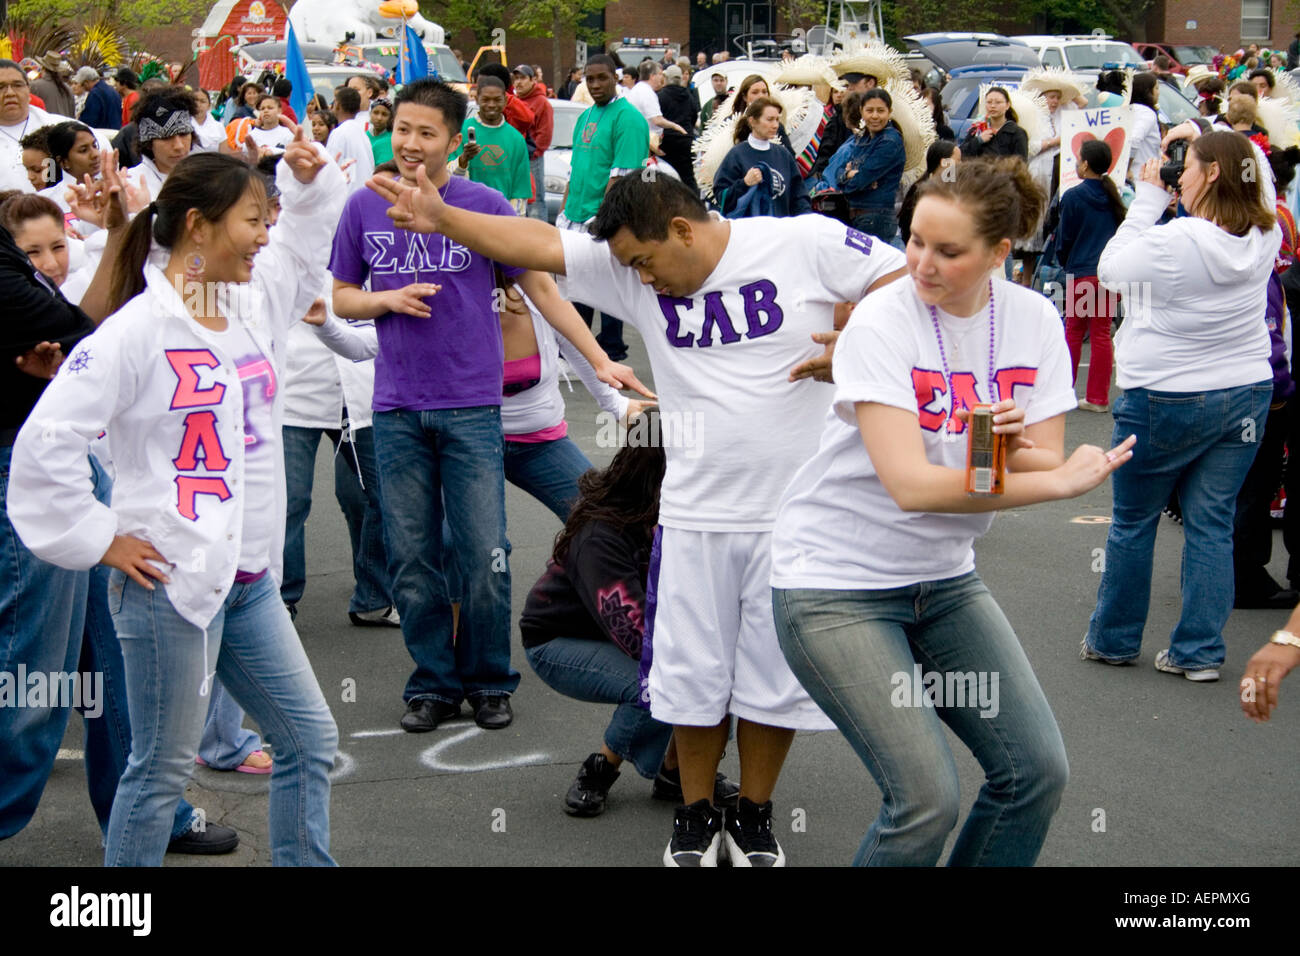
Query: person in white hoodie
[
  {"x": 1192, "y": 359},
  {"x": 184, "y": 376}
]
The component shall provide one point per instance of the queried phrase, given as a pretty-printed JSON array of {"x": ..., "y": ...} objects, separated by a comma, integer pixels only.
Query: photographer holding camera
[{"x": 1193, "y": 363}]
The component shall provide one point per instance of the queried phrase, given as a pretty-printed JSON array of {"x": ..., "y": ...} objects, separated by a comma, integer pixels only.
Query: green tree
[
  {"x": 557, "y": 19},
  {"x": 479, "y": 17}
]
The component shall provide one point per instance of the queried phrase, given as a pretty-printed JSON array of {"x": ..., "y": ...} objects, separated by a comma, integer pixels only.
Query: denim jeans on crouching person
[
  {"x": 452, "y": 455},
  {"x": 1200, "y": 444},
  {"x": 252, "y": 646},
  {"x": 599, "y": 672},
  {"x": 360, "y": 508},
  {"x": 57, "y": 621},
  {"x": 862, "y": 655},
  {"x": 880, "y": 222}
]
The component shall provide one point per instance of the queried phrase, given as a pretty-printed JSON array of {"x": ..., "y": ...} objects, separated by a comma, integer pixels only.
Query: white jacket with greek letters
[{"x": 173, "y": 401}]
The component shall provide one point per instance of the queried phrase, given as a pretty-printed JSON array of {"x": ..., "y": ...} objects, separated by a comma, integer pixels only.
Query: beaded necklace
[{"x": 948, "y": 434}]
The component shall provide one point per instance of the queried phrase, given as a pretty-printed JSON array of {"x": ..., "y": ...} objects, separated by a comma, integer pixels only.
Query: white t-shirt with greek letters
[
  {"x": 734, "y": 427},
  {"x": 838, "y": 527}
]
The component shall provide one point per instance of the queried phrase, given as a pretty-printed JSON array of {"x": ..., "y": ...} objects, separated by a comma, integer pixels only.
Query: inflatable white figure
[{"x": 329, "y": 21}]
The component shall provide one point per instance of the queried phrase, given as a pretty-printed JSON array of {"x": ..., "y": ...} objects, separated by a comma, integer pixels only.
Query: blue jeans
[
  {"x": 881, "y": 222},
  {"x": 861, "y": 655},
  {"x": 598, "y": 672},
  {"x": 54, "y": 620},
  {"x": 360, "y": 508},
  {"x": 537, "y": 169},
  {"x": 258, "y": 656},
  {"x": 225, "y": 743},
  {"x": 1200, "y": 444},
  {"x": 452, "y": 455},
  {"x": 547, "y": 470}
]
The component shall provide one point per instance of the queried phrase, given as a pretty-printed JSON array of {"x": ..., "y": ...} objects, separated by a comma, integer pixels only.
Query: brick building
[{"x": 1226, "y": 24}]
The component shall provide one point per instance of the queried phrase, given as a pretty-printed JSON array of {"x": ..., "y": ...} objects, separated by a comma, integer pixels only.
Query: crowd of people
[{"x": 787, "y": 525}]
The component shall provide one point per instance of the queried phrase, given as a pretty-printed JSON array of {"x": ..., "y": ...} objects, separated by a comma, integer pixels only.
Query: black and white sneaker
[
  {"x": 749, "y": 837},
  {"x": 383, "y": 617},
  {"x": 697, "y": 835}
]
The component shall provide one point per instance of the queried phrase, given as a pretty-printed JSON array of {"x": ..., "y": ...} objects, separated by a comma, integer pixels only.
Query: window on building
[{"x": 1256, "y": 19}]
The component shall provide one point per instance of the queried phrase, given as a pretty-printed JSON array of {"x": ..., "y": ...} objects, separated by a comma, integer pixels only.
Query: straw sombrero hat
[
  {"x": 1030, "y": 107},
  {"x": 1285, "y": 87},
  {"x": 811, "y": 71},
  {"x": 916, "y": 122},
  {"x": 873, "y": 59},
  {"x": 1279, "y": 117},
  {"x": 801, "y": 113},
  {"x": 1197, "y": 73},
  {"x": 1052, "y": 78}
]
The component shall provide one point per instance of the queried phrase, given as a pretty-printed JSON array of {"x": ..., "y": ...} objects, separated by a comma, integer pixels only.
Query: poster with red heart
[{"x": 1110, "y": 124}]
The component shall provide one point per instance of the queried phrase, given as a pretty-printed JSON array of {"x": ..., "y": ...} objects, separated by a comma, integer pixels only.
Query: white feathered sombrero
[
  {"x": 1052, "y": 78},
  {"x": 916, "y": 122},
  {"x": 1279, "y": 117},
  {"x": 801, "y": 113},
  {"x": 812, "y": 71},
  {"x": 872, "y": 58},
  {"x": 1030, "y": 107}
]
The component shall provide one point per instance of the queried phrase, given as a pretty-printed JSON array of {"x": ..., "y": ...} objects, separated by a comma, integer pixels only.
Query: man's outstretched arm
[{"x": 509, "y": 240}]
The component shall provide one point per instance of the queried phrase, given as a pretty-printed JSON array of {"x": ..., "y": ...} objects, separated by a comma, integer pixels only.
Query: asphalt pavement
[{"x": 1163, "y": 771}]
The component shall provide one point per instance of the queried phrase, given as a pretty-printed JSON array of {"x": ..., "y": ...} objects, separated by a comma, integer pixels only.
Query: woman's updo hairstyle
[
  {"x": 209, "y": 182},
  {"x": 999, "y": 194}
]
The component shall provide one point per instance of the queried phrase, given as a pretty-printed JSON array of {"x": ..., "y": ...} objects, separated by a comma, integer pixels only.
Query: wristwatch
[{"x": 1285, "y": 637}]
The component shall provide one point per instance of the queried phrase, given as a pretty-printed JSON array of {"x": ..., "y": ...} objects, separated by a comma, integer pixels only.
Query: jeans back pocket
[{"x": 1176, "y": 422}]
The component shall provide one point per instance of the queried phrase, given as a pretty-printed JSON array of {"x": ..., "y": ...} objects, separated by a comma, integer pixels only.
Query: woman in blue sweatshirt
[
  {"x": 754, "y": 161},
  {"x": 867, "y": 168},
  {"x": 1090, "y": 214}
]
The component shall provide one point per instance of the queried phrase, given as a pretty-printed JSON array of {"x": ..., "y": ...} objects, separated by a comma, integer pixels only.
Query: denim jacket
[{"x": 878, "y": 167}]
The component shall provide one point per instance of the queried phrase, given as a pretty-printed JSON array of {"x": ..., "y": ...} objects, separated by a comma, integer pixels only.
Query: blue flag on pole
[
  {"x": 295, "y": 71},
  {"x": 414, "y": 62}
]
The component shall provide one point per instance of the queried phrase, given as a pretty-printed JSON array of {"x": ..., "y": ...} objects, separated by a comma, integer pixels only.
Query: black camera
[{"x": 1172, "y": 169}]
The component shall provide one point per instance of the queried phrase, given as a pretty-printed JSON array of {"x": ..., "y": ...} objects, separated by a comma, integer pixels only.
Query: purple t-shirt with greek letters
[{"x": 454, "y": 358}]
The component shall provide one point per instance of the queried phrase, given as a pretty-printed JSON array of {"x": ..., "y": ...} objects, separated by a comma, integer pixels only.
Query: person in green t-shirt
[
  {"x": 381, "y": 130},
  {"x": 491, "y": 150},
  {"x": 609, "y": 139}
]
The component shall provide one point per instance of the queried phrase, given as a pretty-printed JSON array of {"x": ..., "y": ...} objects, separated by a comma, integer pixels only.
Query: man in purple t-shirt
[{"x": 437, "y": 421}]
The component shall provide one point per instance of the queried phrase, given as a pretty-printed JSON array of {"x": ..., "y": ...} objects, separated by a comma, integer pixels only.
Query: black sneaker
[
  {"x": 210, "y": 840},
  {"x": 425, "y": 714},
  {"x": 586, "y": 798},
  {"x": 749, "y": 837},
  {"x": 668, "y": 786},
  {"x": 697, "y": 835}
]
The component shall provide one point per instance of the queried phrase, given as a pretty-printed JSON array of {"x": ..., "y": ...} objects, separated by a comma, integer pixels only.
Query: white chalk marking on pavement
[
  {"x": 343, "y": 766},
  {"x": 432, "y": 758},
  {"x": 69, "y": 755},
  {"x": 379, "y": 733}
]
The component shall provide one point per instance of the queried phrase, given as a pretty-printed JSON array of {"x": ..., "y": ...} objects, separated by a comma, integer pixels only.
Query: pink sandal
[{"x": 243, "y": 767}]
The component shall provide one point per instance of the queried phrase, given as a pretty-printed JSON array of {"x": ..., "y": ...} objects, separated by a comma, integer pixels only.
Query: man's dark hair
[
  {"x": 491, "y": 83},
  {"x": 646, "y": 205},
  {"x": 600, "y": 59},
  {"x": 267, "y": 96},
  {"x": 11, "y": 65},
  {"x": 1266, "y": 74},
  {"x": 126, "y": 77},
  {"x": 283, "y": 88},
  {"x": 437, "y": 95},
  {"x": 497, "y": 70},
  {"x": 372, "y": 81},
  {"x": 349, "y": 100},
  {"x": 1163, "y": 62}
]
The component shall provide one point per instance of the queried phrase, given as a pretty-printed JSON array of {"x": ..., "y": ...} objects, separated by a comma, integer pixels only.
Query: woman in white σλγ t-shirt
[{"x": 878, "y": 607}]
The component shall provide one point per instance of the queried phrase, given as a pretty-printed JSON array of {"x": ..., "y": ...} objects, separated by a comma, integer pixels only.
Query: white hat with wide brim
[
  {"x": 916, "y": 122},
  {"x": 1030, "y": 107},
  {"x": 1052, "y": 78},
  {"x": 873, "y": 59},
  {"x": 801, "y": 113}
]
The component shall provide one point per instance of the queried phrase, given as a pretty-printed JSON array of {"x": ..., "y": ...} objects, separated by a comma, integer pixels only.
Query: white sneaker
[
  {"x": 1204, "y": 674},
  {"x": 384, "y": 617}
]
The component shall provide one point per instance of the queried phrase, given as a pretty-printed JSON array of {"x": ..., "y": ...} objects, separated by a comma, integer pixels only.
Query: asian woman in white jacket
[
  {"x": 184, "y": 375},
  {"x": 1192, "y": 359}
]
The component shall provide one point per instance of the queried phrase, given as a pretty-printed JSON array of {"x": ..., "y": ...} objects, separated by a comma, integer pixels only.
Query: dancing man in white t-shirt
[{"x": 724, "y": 320}]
